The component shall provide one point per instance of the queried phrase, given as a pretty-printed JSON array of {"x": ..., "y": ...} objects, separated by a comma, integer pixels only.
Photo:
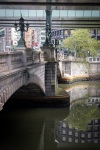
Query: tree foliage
[{"x": 82, "y": 42}]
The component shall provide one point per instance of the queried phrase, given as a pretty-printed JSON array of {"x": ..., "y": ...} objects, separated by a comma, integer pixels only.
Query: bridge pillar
[
  {"x": 49, "y": 53},
  {"x": 50, "y": 78}
]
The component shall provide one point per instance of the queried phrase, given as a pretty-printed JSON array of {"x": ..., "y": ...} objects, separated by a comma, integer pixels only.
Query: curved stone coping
[{"x": 7, "y": 73}]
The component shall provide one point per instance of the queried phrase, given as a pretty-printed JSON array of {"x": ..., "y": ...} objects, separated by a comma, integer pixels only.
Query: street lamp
[
  {"x": 22, "y": 28},
  {"x": 48, "y": 29}
]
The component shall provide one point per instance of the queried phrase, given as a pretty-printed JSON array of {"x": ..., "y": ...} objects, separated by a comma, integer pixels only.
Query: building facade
[
  {"x": 9, "y": 37},
  {"x": 61, "y": 34}
]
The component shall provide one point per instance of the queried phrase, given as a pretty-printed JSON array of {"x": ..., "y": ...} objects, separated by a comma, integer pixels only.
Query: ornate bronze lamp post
[
  {"x": 22, "y": 28},
  {"x": 48, "y": 29}
]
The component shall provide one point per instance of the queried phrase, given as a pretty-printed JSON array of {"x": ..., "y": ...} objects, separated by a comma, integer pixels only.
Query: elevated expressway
[{"x": 65, "y": 13}]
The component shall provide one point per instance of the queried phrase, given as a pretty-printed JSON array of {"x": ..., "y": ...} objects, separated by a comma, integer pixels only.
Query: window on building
[
  {"x": 32, "y": 42},
  {"x": 63, "y": 138},
  {"x": 32, "y": 37},
  {"x": 96, "y": 121},
  {"x": 61, "y": 32},
  {"x": 90, "y": 59},
  {"x": 55, "y": 33},
  {"x": 96, "y": 127},
  {"x": 76, "y": 134},
  {"x": 42, "y": 33},
  {"x": 69, "y": 139},
  {"x": 58, "y": 33},
  {"x": 42, "y": 38},
  {"x": 42, "y": 43},
  {"x": 70, "y": 132},
  {"x": 89, "y": 135},
  {"x": 76, "y": 140}
]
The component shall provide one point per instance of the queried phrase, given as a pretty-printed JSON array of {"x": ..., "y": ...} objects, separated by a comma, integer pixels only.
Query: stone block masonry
[{"x": 50, "y": 78}]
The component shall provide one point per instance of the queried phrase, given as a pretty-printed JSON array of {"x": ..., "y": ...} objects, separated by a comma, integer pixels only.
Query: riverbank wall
[{"x": 73, "y": 71}]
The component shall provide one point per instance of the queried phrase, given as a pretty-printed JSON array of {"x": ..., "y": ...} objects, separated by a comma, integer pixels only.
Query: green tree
[{"x": 82, "y": 42}]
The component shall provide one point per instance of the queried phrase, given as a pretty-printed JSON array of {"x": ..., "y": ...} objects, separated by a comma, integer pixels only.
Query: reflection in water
[
  {"x": 66, "y": 136},
  {"x": 84, "y": 90},
  {"x": 29, "y": 128},
  {"x": 83, "y": 122},
  {"x": 24, "y": 127},
  {"x": 81, "y": 114}
]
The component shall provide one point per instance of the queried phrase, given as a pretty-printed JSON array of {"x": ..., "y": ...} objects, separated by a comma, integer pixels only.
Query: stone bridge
[{"x": 24, "y": 67}]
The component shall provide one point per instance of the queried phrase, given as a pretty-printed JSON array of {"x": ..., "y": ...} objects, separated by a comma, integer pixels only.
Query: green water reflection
[
  {"x": 81, "y": 114},
  {"x": 81, "y": 128},
  {"x": 27, "y": 128}
]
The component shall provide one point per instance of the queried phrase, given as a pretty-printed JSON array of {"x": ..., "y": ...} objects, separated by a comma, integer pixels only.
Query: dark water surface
[{"x": 76, "y": 127}]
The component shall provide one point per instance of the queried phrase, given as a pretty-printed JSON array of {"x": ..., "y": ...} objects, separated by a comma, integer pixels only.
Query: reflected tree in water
[{"x": 81, "y": 114}]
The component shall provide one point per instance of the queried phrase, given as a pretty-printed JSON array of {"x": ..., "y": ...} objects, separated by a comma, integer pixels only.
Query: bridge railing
[
  {"x": 17, "y": 59},
  {"x": 60, "y": 56},
  {"x": 9, "y": 61},
  {"x": 38, "y": 57}
]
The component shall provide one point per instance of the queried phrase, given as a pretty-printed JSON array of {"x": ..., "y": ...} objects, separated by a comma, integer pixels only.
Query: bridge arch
[
  {"x": 36, "y": 80},
  {"x": 9, "y": 89}
]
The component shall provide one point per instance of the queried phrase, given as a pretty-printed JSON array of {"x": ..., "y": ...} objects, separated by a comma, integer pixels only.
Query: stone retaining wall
[{"x": 76, "y": 71}]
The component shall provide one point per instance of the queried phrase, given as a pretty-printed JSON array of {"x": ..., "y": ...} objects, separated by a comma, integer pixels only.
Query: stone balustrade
[
  {"x": 17, "y": 59},
  {"x": 9, "y": 61}
]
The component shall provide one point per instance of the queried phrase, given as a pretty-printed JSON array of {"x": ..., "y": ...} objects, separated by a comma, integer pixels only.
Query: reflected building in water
[{"x": 65, "y": 135}]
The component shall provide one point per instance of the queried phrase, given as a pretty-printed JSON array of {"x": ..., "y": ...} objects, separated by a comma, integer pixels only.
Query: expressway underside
[{"x": 65, "y": 13}]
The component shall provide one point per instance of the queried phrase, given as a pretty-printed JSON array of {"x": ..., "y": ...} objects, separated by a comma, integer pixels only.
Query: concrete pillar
[{"x": 50, "y": 78}]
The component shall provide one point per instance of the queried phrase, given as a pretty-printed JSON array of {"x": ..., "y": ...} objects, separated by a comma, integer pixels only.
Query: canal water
[{"x": 23, "y": 127}]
